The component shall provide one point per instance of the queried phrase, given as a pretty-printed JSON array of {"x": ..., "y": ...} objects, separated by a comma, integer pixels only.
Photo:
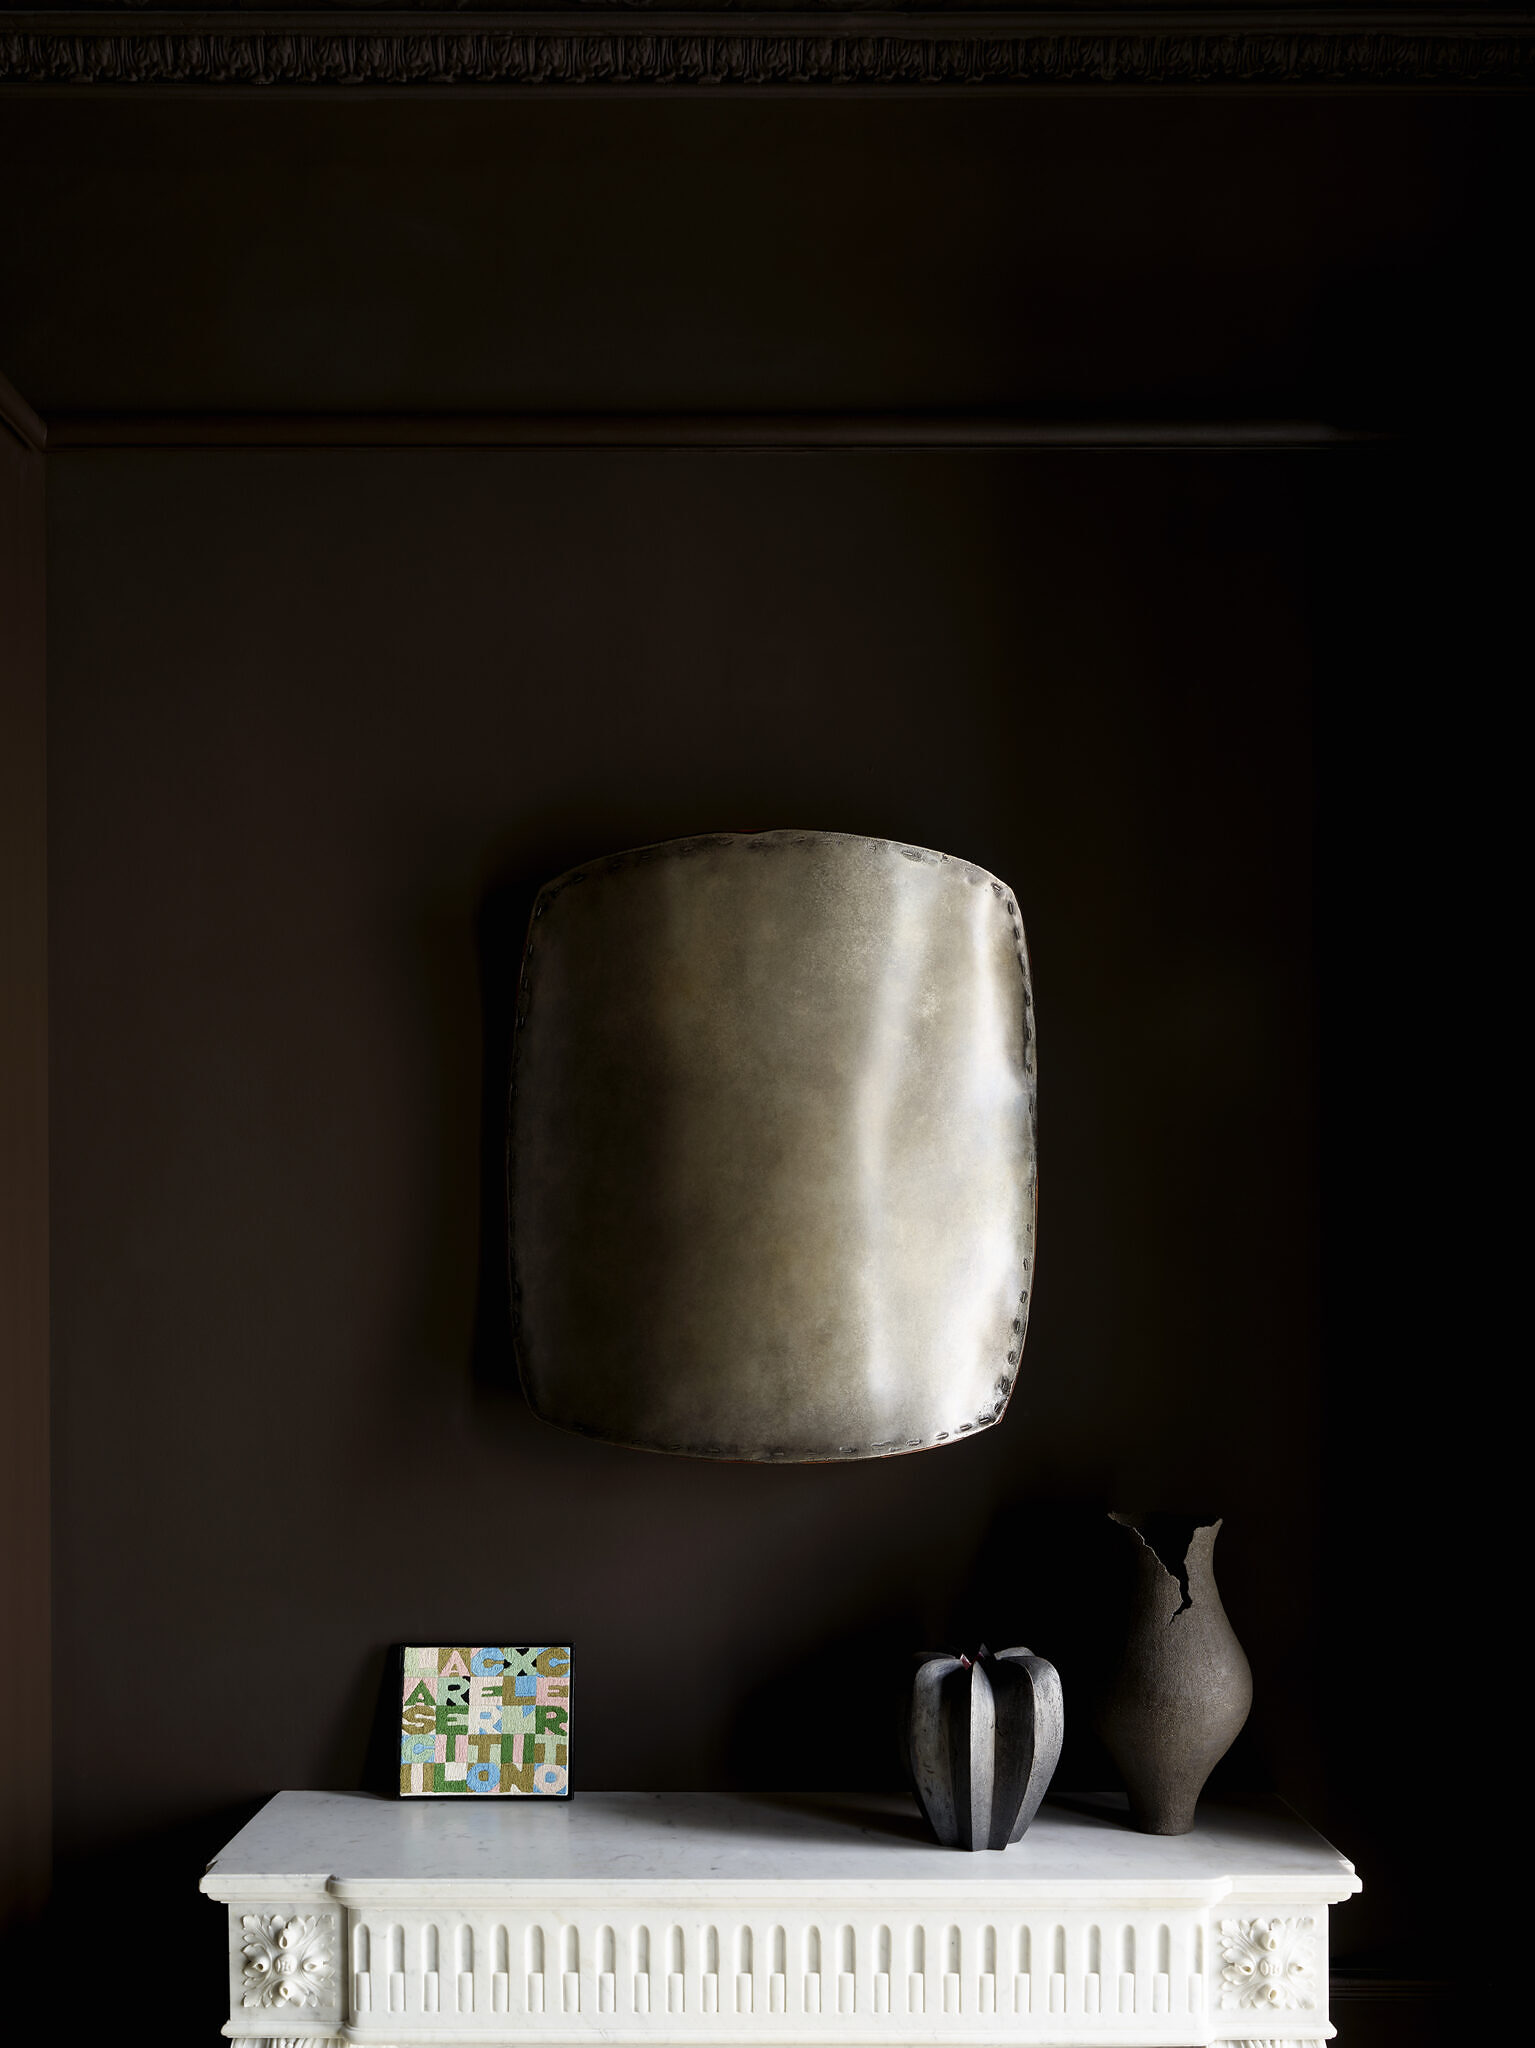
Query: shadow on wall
[
  {"x": 500, "y": 934},
  {"x": 1049, "y": 1576}
]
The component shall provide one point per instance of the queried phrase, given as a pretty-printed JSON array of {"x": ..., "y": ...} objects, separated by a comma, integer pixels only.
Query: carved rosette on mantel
[
  {"x": 285, "y": 1968},
  {"x": 288, "y": 1958},
  {"x": 644, "y": 46},
  {"x": 1269, "y": 1963}
]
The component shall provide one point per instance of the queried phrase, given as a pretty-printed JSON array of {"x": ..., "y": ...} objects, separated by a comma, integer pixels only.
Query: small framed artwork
[{"x": 485, "y": 1722}]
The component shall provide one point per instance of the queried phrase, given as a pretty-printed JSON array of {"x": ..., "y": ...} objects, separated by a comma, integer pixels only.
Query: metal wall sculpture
[{"x": 771, "y": 1162}]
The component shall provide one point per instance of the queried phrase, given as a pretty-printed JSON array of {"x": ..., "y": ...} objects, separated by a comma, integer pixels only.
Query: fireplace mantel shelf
[{"x": 622, "y": 1917}]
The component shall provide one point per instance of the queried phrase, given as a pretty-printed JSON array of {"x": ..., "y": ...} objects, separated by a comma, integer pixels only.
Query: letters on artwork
[{"x": 486, "y": 1719}]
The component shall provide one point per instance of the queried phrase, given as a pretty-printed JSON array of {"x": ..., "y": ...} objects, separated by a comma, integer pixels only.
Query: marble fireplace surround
[{"x": 628, "y": 1917}]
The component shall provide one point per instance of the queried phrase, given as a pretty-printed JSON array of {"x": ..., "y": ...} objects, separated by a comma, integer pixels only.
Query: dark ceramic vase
[{"x": 1183, "y": 1686}]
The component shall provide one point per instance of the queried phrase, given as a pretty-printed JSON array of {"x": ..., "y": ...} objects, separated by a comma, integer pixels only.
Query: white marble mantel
[{"x": 628, "y": 1917}]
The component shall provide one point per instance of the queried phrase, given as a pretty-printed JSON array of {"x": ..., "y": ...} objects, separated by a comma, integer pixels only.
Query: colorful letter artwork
[{"x": 484, "y": 1720}]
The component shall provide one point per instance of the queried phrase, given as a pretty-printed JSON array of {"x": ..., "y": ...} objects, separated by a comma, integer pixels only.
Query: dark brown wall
[
  {"x": 319, "y": 720},
  {"x": 320, "y": 723},
  {"x": 25, "y": 1697},
  {"x": 1207, "y": 254}
]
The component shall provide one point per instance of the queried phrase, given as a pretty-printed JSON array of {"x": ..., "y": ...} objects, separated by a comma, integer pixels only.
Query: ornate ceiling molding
[
  {"x": 849, "y": 431},
  {"x": 807, "y": 50}
]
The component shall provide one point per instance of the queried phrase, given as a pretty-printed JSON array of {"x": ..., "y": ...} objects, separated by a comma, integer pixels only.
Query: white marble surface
[
  {"x": 753, "y": 1844},
  {"x": 660, "y": 1920}
]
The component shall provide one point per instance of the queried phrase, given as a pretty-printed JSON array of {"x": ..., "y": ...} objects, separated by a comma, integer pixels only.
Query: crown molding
[
  {"x": 779, "y": 432},
  {"x": 810, "y": 50}
]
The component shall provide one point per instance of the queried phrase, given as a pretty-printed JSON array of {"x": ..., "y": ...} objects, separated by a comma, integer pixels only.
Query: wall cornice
[
  {"x": 780, "y": 432},
  {"x": 807, "y": 50}
]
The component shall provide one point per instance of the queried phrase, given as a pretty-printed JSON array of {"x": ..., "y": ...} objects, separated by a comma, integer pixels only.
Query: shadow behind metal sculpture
[
  {"x": 1183, "y": 1686},
  {"x": 984, "y": 1740},
  {"x": 771, "y": 1148}
]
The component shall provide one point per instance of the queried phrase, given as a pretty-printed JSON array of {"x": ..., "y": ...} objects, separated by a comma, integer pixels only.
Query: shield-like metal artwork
[{"x": 771, "y": 1160}]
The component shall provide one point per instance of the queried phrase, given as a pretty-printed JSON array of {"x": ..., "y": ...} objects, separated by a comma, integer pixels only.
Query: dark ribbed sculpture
[{"x": 984, "y": 1740}]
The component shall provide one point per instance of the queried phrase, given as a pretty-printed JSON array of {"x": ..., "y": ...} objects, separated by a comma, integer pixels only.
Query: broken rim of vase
[{"x": 1169, "y": 1538}]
